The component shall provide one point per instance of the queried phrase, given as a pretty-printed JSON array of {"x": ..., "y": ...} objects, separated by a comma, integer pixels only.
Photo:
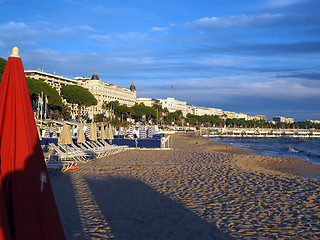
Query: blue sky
[{"x": 253, "y": 57}]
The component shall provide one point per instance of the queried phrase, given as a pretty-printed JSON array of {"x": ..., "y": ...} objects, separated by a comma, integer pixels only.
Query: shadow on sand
[
  {"x": 67, "y": 206},
  {"x": 132, "y": 210}
]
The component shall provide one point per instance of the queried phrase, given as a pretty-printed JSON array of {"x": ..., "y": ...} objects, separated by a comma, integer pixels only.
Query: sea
[{"x": 305, "y": 149}]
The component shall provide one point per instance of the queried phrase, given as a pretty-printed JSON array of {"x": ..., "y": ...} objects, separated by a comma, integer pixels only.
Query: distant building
[
  {"x": 228, "y": 114},
  {"x": 279, "y": 119},
  {"x": 147, "y": 101},
  {"x": 57, "y": 82},
  {"x": 174, "y": 105},
  {"x": 200, "y": 111},
  {"x": 260, "y": 118},
  {"x": 242, "y": 116},
  {"x": 54, "y": 80},
  {"x": 108, "y": 92},
  {"x": 313, "y": 121}
]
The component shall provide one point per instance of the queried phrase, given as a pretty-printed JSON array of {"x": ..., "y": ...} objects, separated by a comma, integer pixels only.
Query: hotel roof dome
[
  {"x": 95, "y": 75},
  {"x": 132, "y": 87}
]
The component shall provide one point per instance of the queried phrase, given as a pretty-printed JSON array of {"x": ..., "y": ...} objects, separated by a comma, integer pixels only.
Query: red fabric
[{"x": 31, "y": 208}]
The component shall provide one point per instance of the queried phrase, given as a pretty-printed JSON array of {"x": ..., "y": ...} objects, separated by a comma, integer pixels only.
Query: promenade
[{"x": 260, "y": 133}]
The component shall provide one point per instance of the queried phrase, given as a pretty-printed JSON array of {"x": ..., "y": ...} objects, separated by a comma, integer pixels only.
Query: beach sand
[{"x": 198, "y": 190}]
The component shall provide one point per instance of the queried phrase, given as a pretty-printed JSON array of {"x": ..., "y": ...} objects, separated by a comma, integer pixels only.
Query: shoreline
[
  {"x": 198, "y": 190},
  {"x": 289, "y": 165}
]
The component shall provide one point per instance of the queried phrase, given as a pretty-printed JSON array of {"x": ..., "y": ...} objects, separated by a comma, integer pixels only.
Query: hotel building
[
  {"x": 103, "y": 92},
  {"x": 200, "y": 111},
  {"x": 174, "y": 105},
  {"x": 108, "y": 92},
  {"x": 279, "y": 119}
]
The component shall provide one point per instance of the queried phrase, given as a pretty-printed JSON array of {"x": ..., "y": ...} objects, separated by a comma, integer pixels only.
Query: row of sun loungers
[{"x": 72, "y": 153}]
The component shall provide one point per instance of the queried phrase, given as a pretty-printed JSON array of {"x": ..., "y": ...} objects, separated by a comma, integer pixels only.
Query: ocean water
[{"x": 308, "y": 150}]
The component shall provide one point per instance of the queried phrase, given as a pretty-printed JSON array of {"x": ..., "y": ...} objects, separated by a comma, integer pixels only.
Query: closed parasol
[
  {"x": 65, "y": 137},
  {"x": 93, "y": 132},
  {"x": 103, "y": 133},
  {"x": 110, "y": 134},
  {"x": 27, "y": 204},
  {"x": 81, "y": 137}
]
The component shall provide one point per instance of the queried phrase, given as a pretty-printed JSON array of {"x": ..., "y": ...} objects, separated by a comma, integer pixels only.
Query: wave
[
  {"x": 306, "y": 150},
  {"x": 303, "y": 152},
  {"x": 294, "y": 150}
]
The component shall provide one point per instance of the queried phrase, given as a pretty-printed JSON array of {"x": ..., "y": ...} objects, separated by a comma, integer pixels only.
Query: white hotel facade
[{"x": 174, "y": 105}]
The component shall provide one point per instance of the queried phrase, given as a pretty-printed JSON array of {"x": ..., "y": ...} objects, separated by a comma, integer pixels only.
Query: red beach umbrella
[{"x": 31, "y": 211}]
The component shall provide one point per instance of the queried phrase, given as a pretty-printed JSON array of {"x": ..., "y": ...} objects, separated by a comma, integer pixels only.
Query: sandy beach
[{"x": 197, "y": 190}]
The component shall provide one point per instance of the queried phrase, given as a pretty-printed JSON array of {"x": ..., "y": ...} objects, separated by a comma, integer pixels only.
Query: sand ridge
[{"x": 197, "y": 190}]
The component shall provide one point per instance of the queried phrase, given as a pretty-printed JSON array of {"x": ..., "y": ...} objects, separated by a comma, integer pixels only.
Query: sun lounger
[
  {"x": 67, "y": 153},
  {"x": 55, "y": 163}
]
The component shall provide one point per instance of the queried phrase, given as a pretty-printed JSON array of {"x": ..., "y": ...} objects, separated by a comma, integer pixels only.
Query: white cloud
[
  {"x": 114, "y": 36},
  {"x": 223, "y": 61},
  {"x": 132, "y": 35},
  {"x": 85, "y": 28},
  {"x": 254, "y": 86},
  {"x": 99, "y": 37},
  {"x": 159, "y": 29},
  {"x": 234, "y": 21},
  {"x": 13, "y": 26},
  {"x": 59, "y": 31}
]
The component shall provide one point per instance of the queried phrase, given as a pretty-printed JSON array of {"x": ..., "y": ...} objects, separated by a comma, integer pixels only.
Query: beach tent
[
  {"x": 151, "y": 131},
  {"x": 93, "y": 132},
  {"x": 131, "y": 136},
  {"x": 142, "y": 132},
  {"x": 114, "y": 131},
  {"x": 121, "y": 132},
  {"x": 65, "y": 137},
  {"x": 81, "y": 137},
  {"x": 88, "y": 130},
  {"x": 54, "y": 132},
  {"x": 27, "y": 205},
  {"x": 103, "y": 133},
  {"x": 46, "y": 133}
]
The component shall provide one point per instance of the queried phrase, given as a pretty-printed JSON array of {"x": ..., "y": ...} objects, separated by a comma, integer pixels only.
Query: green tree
[
  {"x": 151, "y": 113},
  {"x": 66, "y": 112},
  {"x": 78, "y": 95},
  {"x": 37, "y": 86},
  {"x": 123, "y": 110},
  {"x": 139, "y": 111},
  {"x": 172, "y": 117},
  {"x": 100, "y": 118},
  {"x": 112, "y": 104},
  {"x": 2, "y": 66},
  {"x": 159, "y": 109}
]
